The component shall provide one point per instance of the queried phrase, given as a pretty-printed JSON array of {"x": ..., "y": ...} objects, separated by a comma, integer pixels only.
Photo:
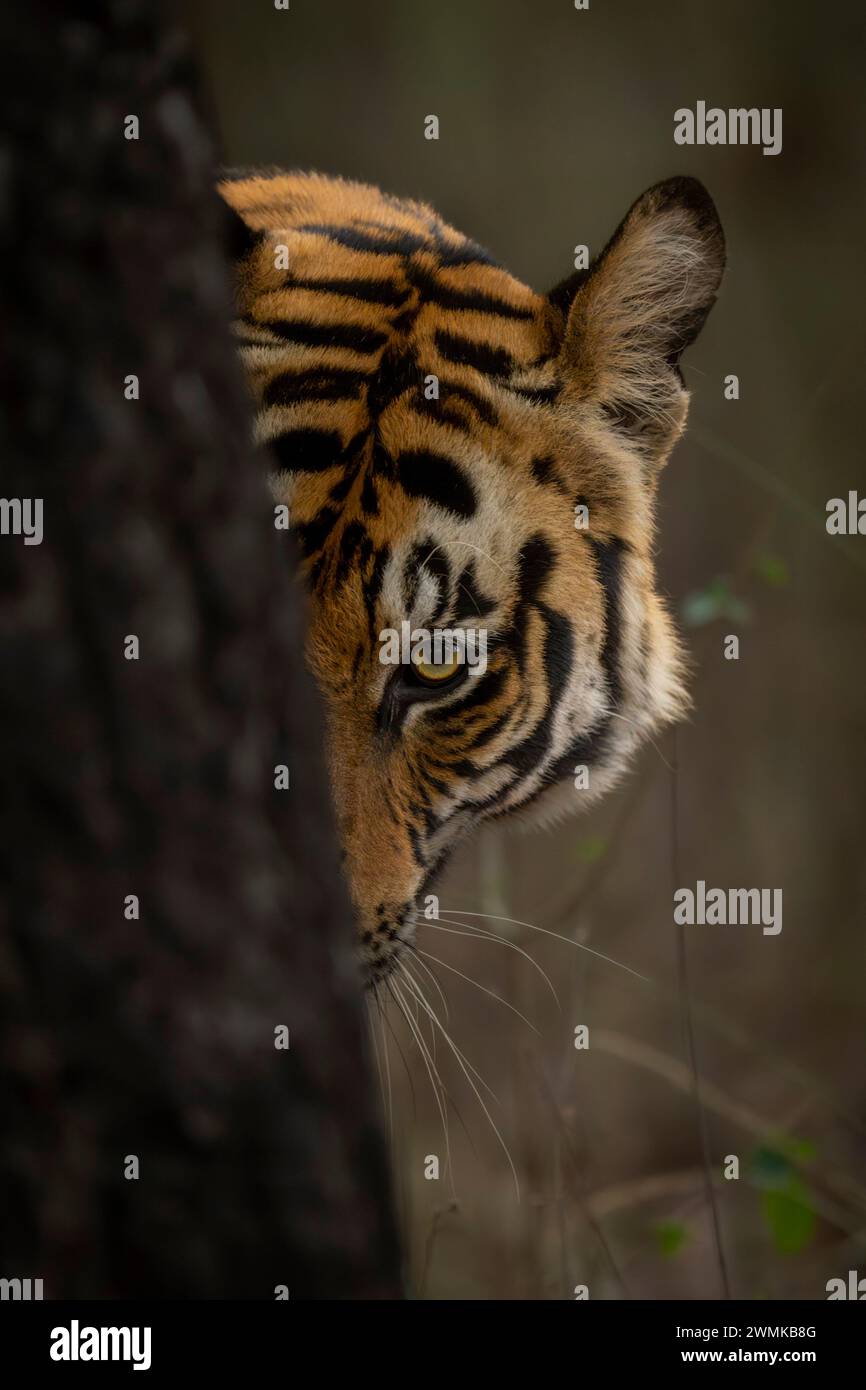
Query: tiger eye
[{"x": 437, "y": 672}]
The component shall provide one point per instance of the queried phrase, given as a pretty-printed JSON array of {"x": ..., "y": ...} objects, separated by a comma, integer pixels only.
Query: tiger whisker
[
  {"x": 386, "y": 1023},
  {"x": 569, "y": 941},
  {"x": 611, "y": 714},
  {"x": 439, "y": 987},
  {"x": 436, "y": 1081},
  {"x": 448, "y": 1096},
  {"x": 414, "y": 949},
  {"x": 470, "y": 546},
  {"x": 386, "y": 1107},
  {"x": 465, "y": 1066},
  {"x": 483, "y": 988},
  {"x": 479, "y": 933},
  {"x": 426, "y": 1005},
  {"x": 387, "y": 1056}
]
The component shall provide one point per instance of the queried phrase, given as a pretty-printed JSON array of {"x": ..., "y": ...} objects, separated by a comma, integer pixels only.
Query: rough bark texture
[{"x": 155, "y": 777}]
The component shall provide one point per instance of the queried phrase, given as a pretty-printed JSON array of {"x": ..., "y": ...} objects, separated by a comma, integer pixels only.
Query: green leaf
[
  {"x": 785, "y": 1201},
  {"x": 770, "y": 1168},
  {"x": 789, "y": 1215},
  {"x": 772, "y": 569},
  {"x": 715, "y": 602},
  {"x": 698, "y": 609},
  {"x": 737, "y": 610},
  {"x": 670, "y": 1237},
  {"x": 801, "y": 1150},
  {"x": 772, "y": 1163},
  {"x": 590, "y": 850}
]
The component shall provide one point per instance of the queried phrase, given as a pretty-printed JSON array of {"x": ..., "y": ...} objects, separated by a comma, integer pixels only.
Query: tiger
[{"x": 455, "y": 450}]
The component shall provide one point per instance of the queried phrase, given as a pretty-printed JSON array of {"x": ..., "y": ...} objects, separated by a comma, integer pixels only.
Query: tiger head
[{"x": 461, "y": 454}]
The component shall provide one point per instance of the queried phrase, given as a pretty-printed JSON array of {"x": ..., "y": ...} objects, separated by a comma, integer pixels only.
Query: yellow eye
[{"x": 437, "y": 673}]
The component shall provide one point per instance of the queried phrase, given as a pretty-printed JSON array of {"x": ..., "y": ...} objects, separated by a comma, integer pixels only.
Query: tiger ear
[{"x": 636, "y": 310}]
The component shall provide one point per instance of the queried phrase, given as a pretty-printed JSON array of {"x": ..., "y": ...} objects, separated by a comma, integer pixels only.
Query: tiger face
[{"x": 462, "y": 455}]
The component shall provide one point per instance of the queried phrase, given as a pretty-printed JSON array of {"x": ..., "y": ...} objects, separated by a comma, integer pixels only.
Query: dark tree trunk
[{"x": 155, "y": 777}]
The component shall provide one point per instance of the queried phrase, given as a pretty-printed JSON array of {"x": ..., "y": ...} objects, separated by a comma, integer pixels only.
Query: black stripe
[
  {"x": 365, "y": 288},
  {"x": 534, "y": 565},
  {"x": 317, "y": 384},
  {"x": 313, "y": 534},
  {"x": 373, "y": 586},
  {"x": 481, "y": 407},
  {"x": 591, "y": 746},
  {"x": 435, "y": 292},
  {"x": 369, "y": 496},
  {"x": 492, "y": 730},
  {"x": 558, "y": 657},
  {"x": 404, "y": 323},
  {"x": 383, "y": 465},
  {"x": 441, "y": 408},
  {"x": 412, "y": 567},
  {"x": 482, "y": 357},
  {"x": 343, "y": 486},
  {"x": 544, "y": 472},
  {"x": 442, "y": 413},
  {"x": 608, "y": 559},
  {"x": 351, "y": 542},
  {"x": 437, "y": 479},
  {"x": 354, "y": 449},
  {"x": 348, "y": 335},
  {"x": 419, "y": 810},
  {"x": 460, "y": 767},
  {"x": 307, "y": 451},
  {"x": 543, "y": 469},
  {"x": 434, "y": 784},
  {"x": 482, "y": 690},
  {"x": 539, "y": 395},
  {"x": 398, "y": 372},
  {"x": 470, "y": 601},
  {"x": 400, "y": 243},
  {"x": 415, "y": 841},
  {"x": 465, "y": 253}
]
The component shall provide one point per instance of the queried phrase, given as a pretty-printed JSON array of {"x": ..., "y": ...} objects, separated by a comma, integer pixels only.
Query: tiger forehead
[
  {"x": 390, "y": 355},
  {"x": 368, "y": 288}
]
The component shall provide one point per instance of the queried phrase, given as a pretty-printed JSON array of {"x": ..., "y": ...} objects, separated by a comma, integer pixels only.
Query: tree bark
[{"x": 155, "y": 1037}]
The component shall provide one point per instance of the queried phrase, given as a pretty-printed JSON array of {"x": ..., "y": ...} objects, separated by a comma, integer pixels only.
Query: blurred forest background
[{"x": 552, "y": 122}]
